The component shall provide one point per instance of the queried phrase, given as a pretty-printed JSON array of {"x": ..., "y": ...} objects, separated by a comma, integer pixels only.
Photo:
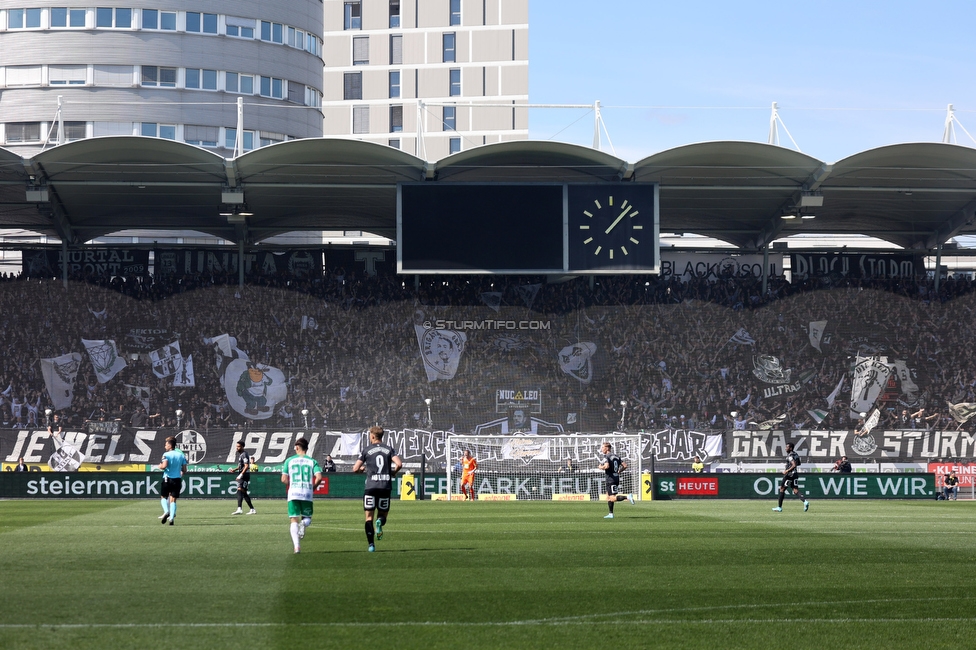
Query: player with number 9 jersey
[{"x": 380, "y": 464}]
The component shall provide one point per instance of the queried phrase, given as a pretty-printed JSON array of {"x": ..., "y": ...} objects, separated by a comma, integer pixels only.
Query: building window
[
  {"x": 360, "y": 50},
  {"x": 202, "y": 79},
  {"x": 455, "y": 82},
  {"x": 239, "y": 83},
  {"x": 455, "y": 145},
  {"x": 272, "y": 87},
  {"x": 201, "y": 23},
  {"x": 154, "y": 19},
  {"x": 156, "y": 76},
  {"x": 240, "y": 27},
  {"x": 311, "y": 44},
  {"x": 64, "y": 17},
  {"x": 72, "y": 131},
  {"x": 202, "y": 136},
  {"x": 113, "y": 75},
  {"x": 394, "y": 84},
  {"x": 396, "y": 119},
  {"x": 68, "y": 75},
  {"x": 450, "y": 118},
  {"x": 455, "y": 12},
  {"x": 23, "y": 19},
  {"x": 23, "y": 132},
  {"x": 352, "y": 15},
  {"x": 296, "y": 92},
  {"x": 107, "y": 17},
  {"x": 24, "y": 75},
  {"x": 395, "y": 143},
  {"x": 230, "y": 139},
  {"x": 352, "y": 85},
  {"x": 396, "y": 49},
  {"x": 395, "y": 16},
  {"x": 360, "y": 119},
  {"x": 450, "y": 55},
  {"x": 154, "y": 130}
]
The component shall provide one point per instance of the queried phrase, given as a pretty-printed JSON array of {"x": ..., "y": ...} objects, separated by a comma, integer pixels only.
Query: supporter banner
[
  {"x": 145, "y": 338},
  {"x": 712, "y": 266},
  {"x": 876, "y": 265},
  {"x": 104, "y": 262},
  {"x": 824, "y": 446},
  {"x": 815, "y": 486},
  {"x": 681, "y": 445},
  {"x": 295, "y": 263},
  {"x": 518, "y": 398},
  {"x": 142, "y": 485}
]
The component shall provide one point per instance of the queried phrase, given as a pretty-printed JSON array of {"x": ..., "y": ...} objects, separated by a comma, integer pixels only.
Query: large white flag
[
  {"x": 254, "y": 389},
  {"x": 185, "y": 376},
  {"x": 833, "y": 395},
  {"x": 441, "y": 351},
  {"x": 59, "y": 377},
  {"x": 870, "y": 378},
  {"x": 817, "y": 328},
  {"x": 167, "y": 360},
  {"x": 105, "y": 358},
  {"x": 742, "y": 337},
  {"x": 871, "y": 422},
  {"x": 962, "y": 412}
]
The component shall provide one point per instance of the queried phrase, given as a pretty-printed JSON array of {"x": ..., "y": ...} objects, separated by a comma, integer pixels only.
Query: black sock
[
  {"x": 610, "y": 505},
  {"x": 383, "y": 519},
  {"x": 247, "y": 497},
  {"x": 781, "y": 495},
  {"x": 621, "y": 497},
  {"x": 369, "y": 532},
  {"x": 240, "y": 499}
]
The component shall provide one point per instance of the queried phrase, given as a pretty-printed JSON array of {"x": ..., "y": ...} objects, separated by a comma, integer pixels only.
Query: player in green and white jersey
[{"x": 301, "y": 474}]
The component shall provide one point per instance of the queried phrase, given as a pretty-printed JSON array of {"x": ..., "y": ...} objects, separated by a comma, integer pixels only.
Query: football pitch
[{"x": 663, "y": 574}]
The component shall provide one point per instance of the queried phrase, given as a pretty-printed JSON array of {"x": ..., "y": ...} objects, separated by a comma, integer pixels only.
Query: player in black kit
[
  {"x": 381, "y": 465},
  {"x": 789, "y": 479},
  {"x": 243, "y": 470},
  {"x": 613, "y": 465}
]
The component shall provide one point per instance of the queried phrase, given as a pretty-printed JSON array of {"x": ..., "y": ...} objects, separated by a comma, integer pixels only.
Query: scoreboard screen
[{"x": 527, "y": 228}]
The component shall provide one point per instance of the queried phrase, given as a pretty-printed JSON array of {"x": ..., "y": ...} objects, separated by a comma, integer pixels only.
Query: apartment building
[
  {"x": 163, "y": 68},
  {"x": 430, "y": 77}
]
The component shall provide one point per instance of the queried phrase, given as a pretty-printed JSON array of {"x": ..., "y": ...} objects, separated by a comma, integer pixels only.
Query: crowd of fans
[{"x": 664, "y": 347}]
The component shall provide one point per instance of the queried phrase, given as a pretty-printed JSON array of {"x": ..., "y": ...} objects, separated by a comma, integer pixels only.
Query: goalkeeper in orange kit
[{"x": 468, "y": 466}]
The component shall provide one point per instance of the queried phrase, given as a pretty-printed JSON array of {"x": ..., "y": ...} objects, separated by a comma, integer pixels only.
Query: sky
[{"x": 847, "y": 76}]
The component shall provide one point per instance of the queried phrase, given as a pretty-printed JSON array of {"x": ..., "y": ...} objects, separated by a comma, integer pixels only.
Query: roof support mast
[{"x": 775, "y": 121}]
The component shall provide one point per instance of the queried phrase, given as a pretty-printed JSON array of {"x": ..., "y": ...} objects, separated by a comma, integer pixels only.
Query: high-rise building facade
[
  {"x": 459, "y": 67},
  {"x": 164, "y": 68}
]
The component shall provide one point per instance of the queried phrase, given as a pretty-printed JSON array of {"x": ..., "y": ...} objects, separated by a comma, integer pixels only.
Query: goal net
[{"x": 542, "y": 467}]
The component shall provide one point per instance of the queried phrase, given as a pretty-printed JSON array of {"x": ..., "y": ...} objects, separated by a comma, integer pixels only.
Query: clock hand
[{"x": 617, "y": 220}]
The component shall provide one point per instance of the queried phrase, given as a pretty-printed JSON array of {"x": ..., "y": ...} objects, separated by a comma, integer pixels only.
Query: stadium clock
[{"x": 612, "y": 228}]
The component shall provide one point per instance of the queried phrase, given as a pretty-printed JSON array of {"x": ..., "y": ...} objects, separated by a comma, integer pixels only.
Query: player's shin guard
[
  {"x": 247, "y": 497},
  {"x": 172, "y": 511},
  {"x": 306, "y": 521},
  {"x": 610, "y": 505},
  {"x": 781, "y": 495},
  {"x": 370, "y": 532},
  {"x": 382, "y": 518},
  {"x": 621, "y": 497},
  {"x": 163, "y": 502},
  {"x": 294, "y": 533}
]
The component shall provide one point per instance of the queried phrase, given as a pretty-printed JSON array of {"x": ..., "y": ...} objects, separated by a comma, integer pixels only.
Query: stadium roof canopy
[{"x": 914, "y": 195}]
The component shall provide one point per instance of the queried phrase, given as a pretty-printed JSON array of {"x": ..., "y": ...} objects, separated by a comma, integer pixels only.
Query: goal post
[{"x": 525, "y": 467}]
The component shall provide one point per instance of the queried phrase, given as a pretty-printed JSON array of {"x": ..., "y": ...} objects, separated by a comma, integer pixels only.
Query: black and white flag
[
  {"x": 140, "y": 393},
  {"x": 167, "y": 360},
  {"x": 870, "y": 378},
  {"x": 309, "y": 323},
  {"x": 59, "y": 378},
  {"x": 742, "y": 337},
  {"x": 441, "y": 351},
  {"x": 962, "y": 412},
  {"x": 105, "y": 358},
  {"x": 816, "y": 332},
  {"x": 493, "y": 299},
  {"x": 184, "y": 377},
  {"x": 528, "y": 292}
]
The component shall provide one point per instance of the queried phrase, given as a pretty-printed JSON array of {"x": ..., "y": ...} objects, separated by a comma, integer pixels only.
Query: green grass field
[{"x": 667, "y": 574}]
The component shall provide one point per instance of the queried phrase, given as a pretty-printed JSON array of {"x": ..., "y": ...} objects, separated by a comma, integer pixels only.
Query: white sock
[
  {"x": 306, "y": 521},
  {"x": 294, "y": 532}
]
